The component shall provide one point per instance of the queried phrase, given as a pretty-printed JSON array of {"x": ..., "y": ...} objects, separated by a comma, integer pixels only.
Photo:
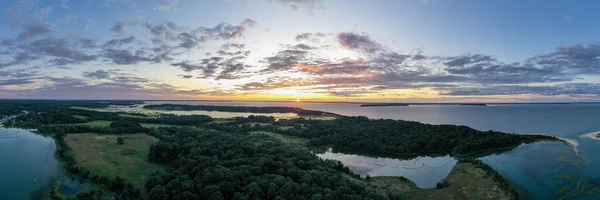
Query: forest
[
  {"x": 406, "y": 138},
  {"x": 219, "y": 165},
  {"x": 248, "y": 109}
]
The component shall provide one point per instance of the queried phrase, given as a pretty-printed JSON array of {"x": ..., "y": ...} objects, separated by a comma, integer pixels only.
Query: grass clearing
[
  {"x": 81, "y": 117},
  {"x": 290, "y": 140},
  {"x": 285, "y": 128},
  {"x": 466, "y": 182},
  {"x": 151, "y": 125},
  {"x": 96, "y": 123},
  {"x": 136, "y": 116},
  {"x": 220, "y": 121},
  {"x": 101, "y": 154}
]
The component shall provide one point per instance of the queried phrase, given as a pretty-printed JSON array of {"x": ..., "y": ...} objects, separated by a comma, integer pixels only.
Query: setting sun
[{"x": 298, "y": 100}]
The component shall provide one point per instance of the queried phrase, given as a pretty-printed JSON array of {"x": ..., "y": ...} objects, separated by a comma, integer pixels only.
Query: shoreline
[
  {"x": 592, "y": 135},
  {"x": 571, "y": 143}
]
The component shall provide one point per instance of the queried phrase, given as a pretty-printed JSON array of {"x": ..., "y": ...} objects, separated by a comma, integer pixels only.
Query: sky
[{"x": 308, "y": 50}]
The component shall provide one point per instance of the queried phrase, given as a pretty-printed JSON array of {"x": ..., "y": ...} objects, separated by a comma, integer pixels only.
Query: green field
[
  {"x": 136, "y": 116},
  {"x": 220, "y": 121},
  {"x": 151, "y": 125},
  {"x": 290, "y": 140},
  {"x": 101, "y": 154},
  {"x": 96, "y": 123},
  {"x": 285, "y": 128},
  {"x": 81, "y": 117}
]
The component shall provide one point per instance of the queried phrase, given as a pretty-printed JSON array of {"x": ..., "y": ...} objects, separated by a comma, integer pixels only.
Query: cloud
[
  {"x": 127, "y": 57},
  {"x": 36, "y": 30},
  {"x": 119, "y": 42},
  {"x": 228, "y": 31},
  {"x": 300, "y": 4},
  {"x": 309, "y": 36},
  {"x": 15, "y": 82},
  {"x": 61, "y": 49},
  {"x": 358, "y": 42},
  {"x": 284, "y": 60},
  {"x": 165, "y": 4},
  {"x": 119, "y": 28},
  {"x": 44, "y": 12},
  {"x": 98, "y": 74}
]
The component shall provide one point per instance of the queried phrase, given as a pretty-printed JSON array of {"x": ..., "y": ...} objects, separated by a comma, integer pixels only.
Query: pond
[
  {"x": 28, "y": 167},
  {"x": 424, "y": 171}
]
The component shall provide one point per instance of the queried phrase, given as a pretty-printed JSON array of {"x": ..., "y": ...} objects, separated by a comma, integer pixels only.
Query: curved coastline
[{"x": 571, "y": 143}]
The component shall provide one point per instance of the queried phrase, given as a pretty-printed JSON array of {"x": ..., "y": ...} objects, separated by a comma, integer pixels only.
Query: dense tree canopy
[
  {"x": 218, "y": 165},
  {"x": 397, "y": 137}
]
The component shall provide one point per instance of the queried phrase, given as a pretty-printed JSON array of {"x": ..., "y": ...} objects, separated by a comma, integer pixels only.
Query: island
[{"x": 166, "y": 156}]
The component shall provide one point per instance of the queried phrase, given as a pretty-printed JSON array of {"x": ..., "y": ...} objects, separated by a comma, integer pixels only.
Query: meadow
[{"x": 103, "y": 156}]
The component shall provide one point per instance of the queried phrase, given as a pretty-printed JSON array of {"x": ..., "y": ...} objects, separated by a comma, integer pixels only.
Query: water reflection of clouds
[{"x": 424, "y": 171}]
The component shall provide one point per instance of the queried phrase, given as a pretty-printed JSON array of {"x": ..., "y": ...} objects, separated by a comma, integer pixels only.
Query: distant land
[{"x": 408, "y": 104}]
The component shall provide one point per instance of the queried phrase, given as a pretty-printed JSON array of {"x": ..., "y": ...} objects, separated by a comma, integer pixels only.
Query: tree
[
  {"x": 368, "y": 178},
  {"x": 158, "y": 193},
  {"x": 120, "y": 140}
]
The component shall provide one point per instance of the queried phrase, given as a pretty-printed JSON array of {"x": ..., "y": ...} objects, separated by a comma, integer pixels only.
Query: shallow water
[{"x": 26, "y": 157}]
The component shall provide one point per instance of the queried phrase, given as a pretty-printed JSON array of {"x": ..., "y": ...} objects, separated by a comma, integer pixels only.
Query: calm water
[
  {"x": 424, "y": 171},
  {"x": 534, "y": 168},
  {"x": 25, "y": 156}
]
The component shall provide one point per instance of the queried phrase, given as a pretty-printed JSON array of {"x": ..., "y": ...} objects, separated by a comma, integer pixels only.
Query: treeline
[
  {"x": 247, "y": 109},
  {"x": 205, "y": 164},
  {"x": 69, "y": 103},
  {"x": 402, "y": 138},
  {"x": 116, "y": 127},
  {"x": 38, "y": 116}
]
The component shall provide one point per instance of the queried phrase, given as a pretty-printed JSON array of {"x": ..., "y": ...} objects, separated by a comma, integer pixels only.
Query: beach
[{"x": 592, "y": 135}]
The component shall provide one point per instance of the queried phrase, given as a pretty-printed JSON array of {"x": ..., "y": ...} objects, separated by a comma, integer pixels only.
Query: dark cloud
[
  {"x": 88, "y": 43},
  {"x": 61, "y": 49},
  {"x": 284, "y": 60},
  {"x": 126, "y": 57},
  {"x": 15, "y": 82},
  {"x": 119, "y": 42},
  {"x": 228, "y": 46},
  {"x": 228, "y": 65},
  {"x": 309, "y": 36},
  {"x": 227, "y": 31},
  {"x": 119, "y": 28},
  {"x": 581, "y": 58},
  {"x": 159, "y": 29},
  {"x": 36, "y": 30},
  {"x": 98, "y": 74},
  {"x": 468, "y": 59},
  {"x": 18, "y": 73},
  {"x": 188, "y": 67},
  {"x": 188, "y": 40},
  {"x": 358, "y": 42},
  {"x": 186, "y": 76}
]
